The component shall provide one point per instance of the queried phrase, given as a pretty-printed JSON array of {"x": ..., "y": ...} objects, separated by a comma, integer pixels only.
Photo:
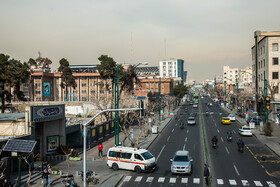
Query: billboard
[{"x": 47, "y": 89}]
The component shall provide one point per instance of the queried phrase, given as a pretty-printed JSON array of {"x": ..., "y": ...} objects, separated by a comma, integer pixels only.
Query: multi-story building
[
  {"x": 265, "y": 64},
  {"x": 172, "y": 68},
  {"x": 230, "y": 75},
  {"x": 245, "y": 76}
]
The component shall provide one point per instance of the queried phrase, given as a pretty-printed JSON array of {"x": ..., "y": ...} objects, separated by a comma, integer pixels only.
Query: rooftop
[{"x": 11, "y": 116}]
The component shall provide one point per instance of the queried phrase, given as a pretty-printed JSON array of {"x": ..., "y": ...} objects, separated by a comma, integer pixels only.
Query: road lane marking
[
  {"x": 172, "y": 180},
  {"x": 236, "y": 169},
  {"x": 196, "y": 180},
  {"x": 160, "y": 152},
  {"x": 184, "y": 180},
  {"x": 245, "y": 183},
  {"x": 215, "y": 124},
  {"x": 222, "y": 139},
  {"x": 218, "y": 131},
  {"x": 138, "y": 179},
  {"x": 186, "y": 139},
  {"x": 176, "y": 124},
  {"x": 172, "y": 130},
  {"x": 127, "y": 178},
  {"x": 150, "y": 179},
  {"x": 161, "y": 179},
  {"x": 258, "y": 183},
  {"x": 188, "y": 131},
  {"x": 220, "y": 181},
  {"x": 270, "y": 184},
  {"x": 184, "y": 147},
  {"x": 168, "y": 138},
  {"x": 232, "y": 182},
  {"x": 227, "y": 150},
  {"x": 234, "y": 131}
]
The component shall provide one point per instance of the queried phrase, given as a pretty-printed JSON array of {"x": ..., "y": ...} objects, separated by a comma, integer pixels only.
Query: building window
[
  {"x": 274, "y": 75},
  {"x": 164, "y": 63},
  {"x": 37, "y": 92},
  {"x": 92, "y": 84},
  {"x": 38, "y": 99},
  {"x": 169, "y": 63},
  {"x": 25, "y": 85},
  {"x": 84, "y": 78},
  {"x": 26, "y": 93},
  {"x": 37, "y": 85},
  {"x": 92, "y": 78},
  {"x": 84, "y": 91},
  {"x": 274, "y": 61},
  {"x": 37, "y": 77},
  {"x": 101, "y": 92},
  {"x": 75, "y": 92},
  {"x": 84, "y": 85},
  {"x": 92, "y": 92},
  {"x": 275, "y": 47},
  {"x": 84, "y": 99},
  {"x": 110, "y": 91}
]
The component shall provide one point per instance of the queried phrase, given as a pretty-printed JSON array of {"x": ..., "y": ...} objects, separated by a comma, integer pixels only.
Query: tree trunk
[{"x": 3, "y": 99}]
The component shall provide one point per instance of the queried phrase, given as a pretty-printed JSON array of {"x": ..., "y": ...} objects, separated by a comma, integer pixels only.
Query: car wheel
[
  {"x": 138, "y": 169},
  {"x": 115, "y": 166}
]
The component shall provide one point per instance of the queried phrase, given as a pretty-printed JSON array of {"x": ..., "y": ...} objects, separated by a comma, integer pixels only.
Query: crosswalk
[{"x": 197, "y": 181}]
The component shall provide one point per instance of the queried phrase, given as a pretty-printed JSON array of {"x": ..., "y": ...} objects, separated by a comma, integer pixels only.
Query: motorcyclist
[
  {"x": 181, "y": 125},
  {"x": 214, "y": 140},
  {"x": 207, "y": 113},
  {"x": 229, "y": 135},
  {"x": 240, "y": 144}
]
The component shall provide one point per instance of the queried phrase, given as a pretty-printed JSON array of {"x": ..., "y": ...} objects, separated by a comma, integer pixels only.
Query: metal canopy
[
  {"x": 25, "y": 146},
  {"x": 141, "y": 98}
]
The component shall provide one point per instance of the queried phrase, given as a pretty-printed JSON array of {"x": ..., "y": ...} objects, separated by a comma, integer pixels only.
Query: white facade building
[
  {"x": 245, "y": 76},
  {"x": 168, "y": 68},
  {"x": 267, "y": 66},
  {"x": 230, "y": 75}
]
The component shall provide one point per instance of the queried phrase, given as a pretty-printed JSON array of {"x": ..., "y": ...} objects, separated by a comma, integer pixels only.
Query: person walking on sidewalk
[
  {"x": 100, "y": 149},
  {"x": 206, "y": 174},
  {"x": 46, "y": 177}
]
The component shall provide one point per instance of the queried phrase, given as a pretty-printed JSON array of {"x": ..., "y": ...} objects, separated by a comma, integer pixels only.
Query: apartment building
[
  {"x": 230, "y": 75},
  {"x": 172, "y": 68},
  {"x": 265, "y": 62}
]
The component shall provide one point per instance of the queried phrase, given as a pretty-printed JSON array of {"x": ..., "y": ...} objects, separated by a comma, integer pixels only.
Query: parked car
[
  {"x": 226, "y": 121},
  {"x": 245, "y": 131},
  {"x": 181, "y": 163},
  {"x": 191, "y": 121},
  {"x": 231, "y": 117}
]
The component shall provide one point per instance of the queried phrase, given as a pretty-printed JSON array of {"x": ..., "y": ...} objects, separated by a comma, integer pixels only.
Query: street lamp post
[
  {"x": 225, "y": 84},
  {"x": 117, "y": 99},
  {"x": 85, "y": 135}
]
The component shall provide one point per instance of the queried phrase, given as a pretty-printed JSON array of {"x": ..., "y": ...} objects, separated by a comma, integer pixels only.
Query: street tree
[
  {"x": 67, "y": 78},
  {"x": 12, "y": 74},
  {"x": 180, "y": 90}
]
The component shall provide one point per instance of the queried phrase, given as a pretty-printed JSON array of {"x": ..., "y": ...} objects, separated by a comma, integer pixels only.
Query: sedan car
[
  {"x": 181, "y": 163},
  {"x": 245, "y": 131},
  {"x": 210, "y": 104},
  {"x": 195, "y": 106},
  {"x": 231, "y": 117},
  {"x": 191, "y": 121},
  {"x": 226, "y": 121}
]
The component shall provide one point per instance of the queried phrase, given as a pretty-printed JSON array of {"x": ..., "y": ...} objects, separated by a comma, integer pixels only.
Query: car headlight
[{"x": 173, "y": 167}]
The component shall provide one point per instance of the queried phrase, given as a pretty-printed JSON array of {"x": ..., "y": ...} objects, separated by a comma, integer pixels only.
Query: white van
[{"x": 130, "y": 159}]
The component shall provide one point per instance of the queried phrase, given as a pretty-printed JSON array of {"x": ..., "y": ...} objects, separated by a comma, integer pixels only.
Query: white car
[
  {"x": 245, "y": 131},
  {"x": 195, "y": 105},
  {"x": 181, "y": 163},
  {"x": 231, "y": 117}
]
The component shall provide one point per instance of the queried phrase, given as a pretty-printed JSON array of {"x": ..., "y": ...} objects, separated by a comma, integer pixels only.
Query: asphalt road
[{"x": 257, "y": 166}]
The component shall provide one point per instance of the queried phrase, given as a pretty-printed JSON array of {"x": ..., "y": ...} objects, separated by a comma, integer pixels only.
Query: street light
[
  {"x": 117, "y": 99},
  {"x": 85, "y": 135}
]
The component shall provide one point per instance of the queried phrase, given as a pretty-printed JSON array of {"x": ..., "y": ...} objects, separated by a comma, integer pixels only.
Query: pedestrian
[
  {"x": 46, "y": 177},
  {"x": 100, "y": 149},
  {"x": 7, "y": 183},
  {"x": 49, "y": 175},
  {"x": 206, "y": 175}
]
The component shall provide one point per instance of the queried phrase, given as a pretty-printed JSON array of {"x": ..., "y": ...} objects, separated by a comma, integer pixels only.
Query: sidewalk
[
  {"x": 108, "y": 177},
  {"x": 272, "y": 142}
]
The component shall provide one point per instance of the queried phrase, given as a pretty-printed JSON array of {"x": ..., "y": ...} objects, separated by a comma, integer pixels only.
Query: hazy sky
[{"x": 207, "y": 34}]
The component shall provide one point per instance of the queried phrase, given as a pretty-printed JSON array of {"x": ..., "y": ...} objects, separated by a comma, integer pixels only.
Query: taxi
[{"x": 226, "y": 121}]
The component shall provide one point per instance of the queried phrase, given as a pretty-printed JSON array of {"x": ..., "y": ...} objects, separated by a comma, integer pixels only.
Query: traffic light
[{"x": 267, "y": 102}]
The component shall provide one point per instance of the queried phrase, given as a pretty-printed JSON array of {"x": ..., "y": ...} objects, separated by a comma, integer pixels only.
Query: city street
[{"x": 254, "y": 167}]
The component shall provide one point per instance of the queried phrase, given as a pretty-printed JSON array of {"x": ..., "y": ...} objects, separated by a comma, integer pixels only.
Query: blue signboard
[
  {"x": 46, "y": 113},
  {"x": 47, "y": 88}
]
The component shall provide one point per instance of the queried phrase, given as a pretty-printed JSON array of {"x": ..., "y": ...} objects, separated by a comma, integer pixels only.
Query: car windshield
[
  {"x": 181, "y": 158},
  {"x": 246, "y": 128},
  {"x": 231, "y": 115},
  {"x": 191, "y": 119},
  {"x": 147, "y": 155},
  {"x": 226, "y": 118}
]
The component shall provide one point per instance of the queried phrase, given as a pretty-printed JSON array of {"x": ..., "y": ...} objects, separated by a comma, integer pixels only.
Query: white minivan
[{"x": 130, "y": 158}]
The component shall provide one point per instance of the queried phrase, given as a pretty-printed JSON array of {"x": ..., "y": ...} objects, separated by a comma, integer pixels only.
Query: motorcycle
[
  {"x": 181, "y": 126},
  {"x": 207, "y": 113},
  {"x": 229, "y": 138},
  {"x": 241, "y": 149},
  {"x": 214, "y": 145}
]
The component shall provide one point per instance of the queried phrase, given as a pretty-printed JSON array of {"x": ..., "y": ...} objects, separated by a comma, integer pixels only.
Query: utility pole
[
  {"x": 237, "y": 95},
  {"x": 225, "y": 85},
  {"x": 265, "y": 95},
  {"x": 159, "y": 99},
  {"x": 116, "y": 126}
]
